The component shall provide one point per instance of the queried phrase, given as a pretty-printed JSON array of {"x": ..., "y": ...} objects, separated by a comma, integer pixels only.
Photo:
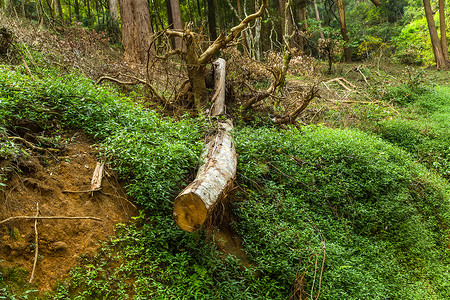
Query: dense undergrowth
[{"x": 335, "y": 213}]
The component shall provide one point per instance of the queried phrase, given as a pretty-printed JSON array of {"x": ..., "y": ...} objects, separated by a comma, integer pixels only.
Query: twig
[
  {"x": 36, "y": 243},
  {"x": 48, "y": 218},
  {"x": 365, "y": 79},
  {"x": 82, "y": 191}
]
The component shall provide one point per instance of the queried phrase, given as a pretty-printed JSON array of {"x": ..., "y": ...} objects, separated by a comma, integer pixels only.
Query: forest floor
[{"x": 41, "y": 181}]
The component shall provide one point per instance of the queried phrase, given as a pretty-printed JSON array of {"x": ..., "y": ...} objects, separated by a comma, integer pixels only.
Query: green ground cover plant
[
  {"x": 423, "y": 129},
  {"x": 335, "y": 213}
]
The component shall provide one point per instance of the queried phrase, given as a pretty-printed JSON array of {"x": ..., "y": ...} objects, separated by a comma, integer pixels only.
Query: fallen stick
[
  {"x": 48, "y": 218},
  {"x": 36, "y": 243}
]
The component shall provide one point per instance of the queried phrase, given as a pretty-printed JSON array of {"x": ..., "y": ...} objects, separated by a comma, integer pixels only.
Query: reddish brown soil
[{"x": 41, "y": 179}]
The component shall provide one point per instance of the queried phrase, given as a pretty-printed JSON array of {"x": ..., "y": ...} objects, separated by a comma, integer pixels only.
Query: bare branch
[
  {"x": 223, "y": 40},
  {"x": 135, "y": 82}
]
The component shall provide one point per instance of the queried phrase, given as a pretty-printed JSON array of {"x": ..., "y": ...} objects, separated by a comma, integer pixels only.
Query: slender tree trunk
[
  {"x": 136, "y": 29},
  {"x": 441, "y": 63},
  {"x": 177, "y": 23},
  {"x": 257, "y": 37},
  {"x": 343, "y": 25},
  {"x": 442, "y": 29},
  {"x": 212, "y": 20},
  {"x": 77, "y": 10},
  {"x": 316, "y": 9},
  {"x": 59, "y": 7},
  {"x": 88, "y": 6},
  {"x": 70, "y": 12},
  {"x": 113, "y": 10},
  {"x": 302, "y": 14},
  {"x": 281, "y": 10}
]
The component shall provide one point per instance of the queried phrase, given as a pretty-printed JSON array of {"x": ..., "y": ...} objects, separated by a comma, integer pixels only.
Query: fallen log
[{"x": 215, "y": 176}]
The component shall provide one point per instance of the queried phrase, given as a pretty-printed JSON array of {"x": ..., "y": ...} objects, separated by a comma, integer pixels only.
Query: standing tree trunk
[
  {"x": 136, "y": 29},
  {"x": 316, "y": 9},
  {"x": 113, "y": 10},
  {"x": 442, "y": 29},
  {"x": 441, "y": 63},
  {"x": 77, "y": 10},
  {"x": 343, "y": 25},
  {"x": 287, "y": 53},
  {"x": 212, "y": 20},
  {"x": 177, "y": 23},
  {"x": 59, "y": 8}
]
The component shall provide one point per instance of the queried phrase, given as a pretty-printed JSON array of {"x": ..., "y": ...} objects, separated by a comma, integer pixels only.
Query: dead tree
[
  {"x": 216, "y": 174},
  {"x": 196, "y": 62}
]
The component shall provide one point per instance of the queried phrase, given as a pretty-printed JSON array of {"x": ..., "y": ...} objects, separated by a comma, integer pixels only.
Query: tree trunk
[
  {"x": 113, "y": 10},
  {"x": 287, "y": 53},
  {"x": 343, "y": 25},
  {"x": 88, "y": 7},
  {"x": 215, "y": 176},
  {"x": 442, "y": 29},
  {"x": 212, "y": 20},
  {"x": 177, "y": 24},
  {"x": 59, "y": 7},
  {"x": 281, "y": 9},
  {"x": 136, "y": 29},
  {"x": 302, "y": 15},
  {"x": 441, "y": 63},
  {"x": 77, "y": 10},
  {"x": 316, "y": 9}
]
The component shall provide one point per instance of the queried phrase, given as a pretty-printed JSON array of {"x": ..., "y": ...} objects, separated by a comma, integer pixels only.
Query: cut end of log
[{"x": 189, "y": 212}]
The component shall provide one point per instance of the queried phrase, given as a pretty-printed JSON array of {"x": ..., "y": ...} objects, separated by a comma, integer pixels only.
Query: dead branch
[
  {"x": 31, "y": 145},
  {"x": 36, "y": 244},
  {"x": 261, "y": 96},
  {"x": 290, "y": 118},
  {"x": 223, "y": 40},
  {"x": 48, "y": 218},
  {"x": 135, "y": 82},
  {"x": 339, "y": 81},
  {"x": 358, "y": 69}
]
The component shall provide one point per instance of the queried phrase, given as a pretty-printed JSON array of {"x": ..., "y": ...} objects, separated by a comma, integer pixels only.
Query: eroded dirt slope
[{"x": 41, "y": 179}]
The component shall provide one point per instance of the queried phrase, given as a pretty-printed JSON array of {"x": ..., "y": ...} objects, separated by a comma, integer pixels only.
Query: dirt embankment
[{"x": 41, "y": 179}]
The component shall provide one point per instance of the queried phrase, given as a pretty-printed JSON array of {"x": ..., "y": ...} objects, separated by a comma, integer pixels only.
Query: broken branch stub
[{"x": 215, "y": 175}]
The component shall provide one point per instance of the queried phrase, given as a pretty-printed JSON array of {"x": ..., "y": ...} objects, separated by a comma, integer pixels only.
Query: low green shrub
[{"x": 381, "y": 216}]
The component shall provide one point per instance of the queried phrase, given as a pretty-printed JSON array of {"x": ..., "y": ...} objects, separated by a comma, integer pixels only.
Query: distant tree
[
  {"x": 441, "y": 61},
  {"x": 212, "y": 20},
  {"x": 77, "y": 10},
  {"x": 136, "y": 29},
  {"x": 113, "y": 10},
  {"x": 316, "y": 10},
  {"x": 176, "y": 19},
  {"x": 343, "y": 25}
]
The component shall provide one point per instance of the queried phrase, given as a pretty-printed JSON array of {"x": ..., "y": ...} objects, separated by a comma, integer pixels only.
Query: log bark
[{"x": 215, "y": 176}]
